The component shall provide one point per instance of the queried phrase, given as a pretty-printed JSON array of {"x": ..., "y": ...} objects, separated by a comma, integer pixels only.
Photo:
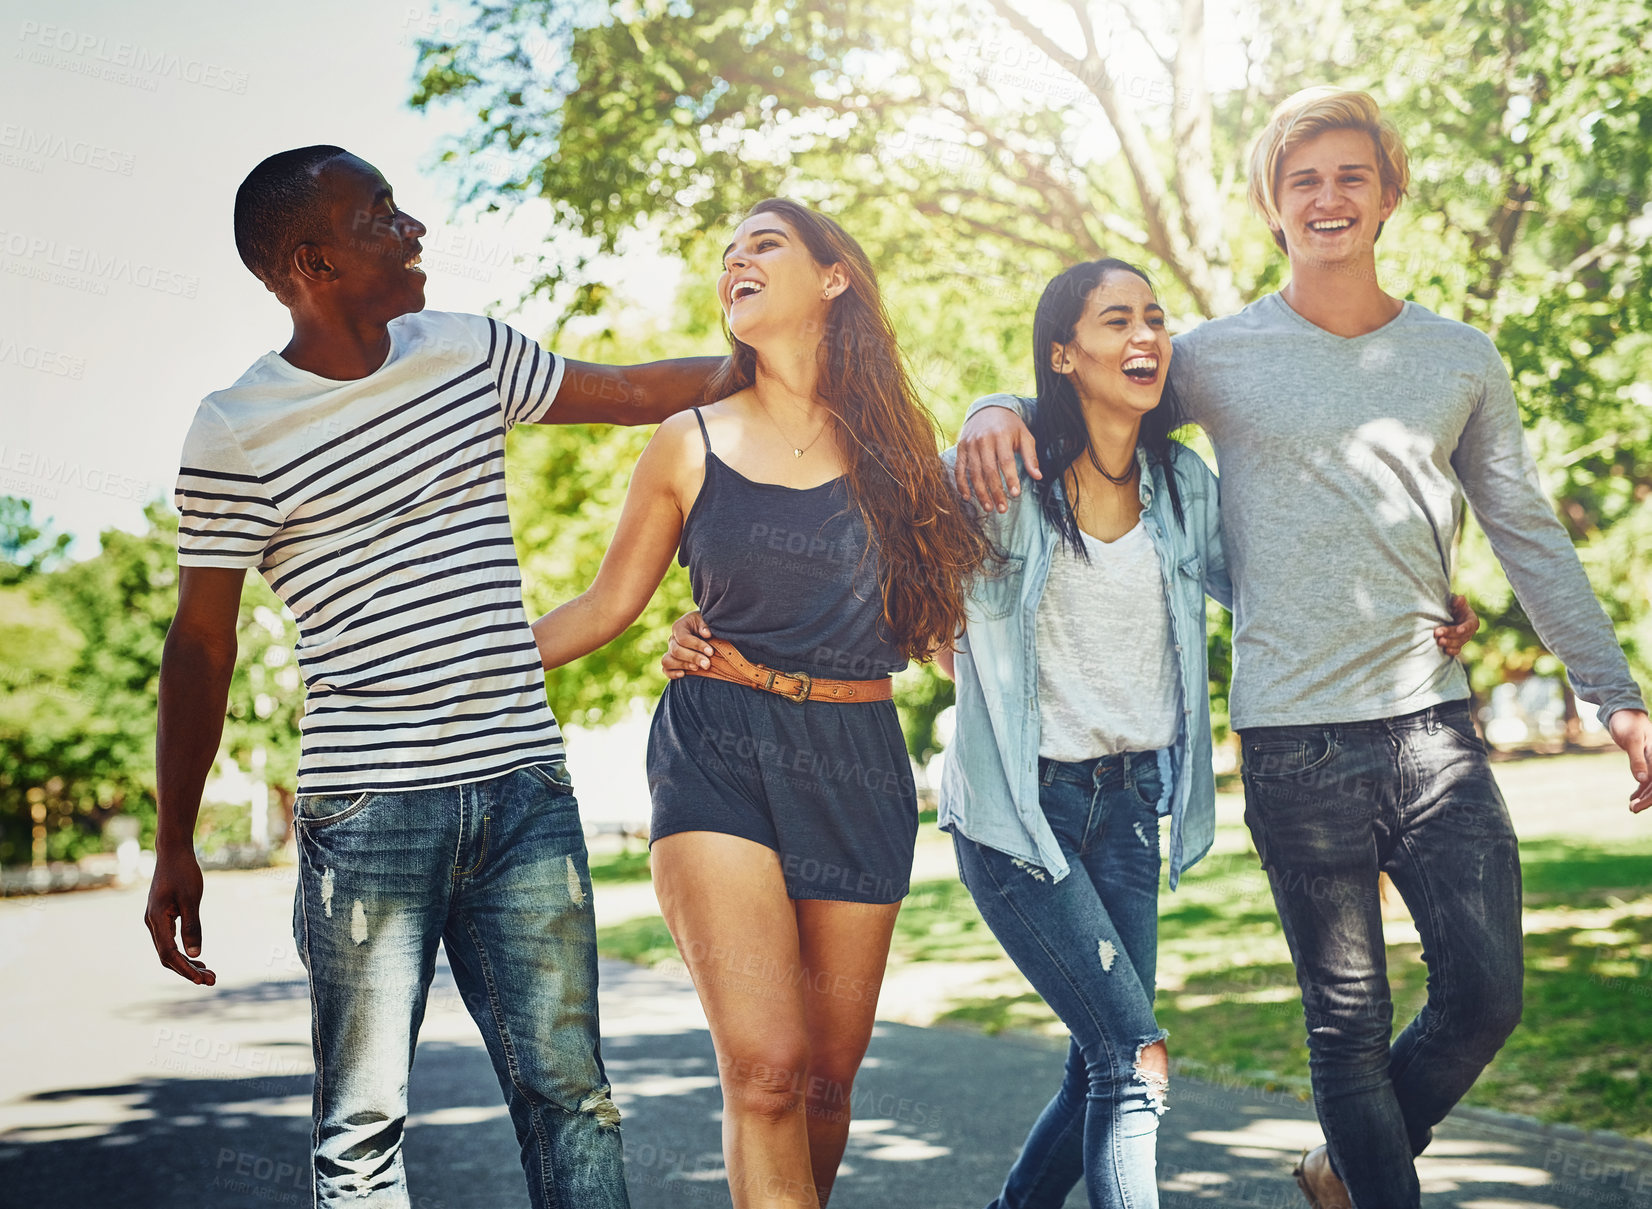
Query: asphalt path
[{"x": 120, "y": 1085}]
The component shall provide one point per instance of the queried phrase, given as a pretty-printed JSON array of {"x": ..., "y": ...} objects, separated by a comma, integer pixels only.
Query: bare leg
[
  {"x": 844, "y": 948},
  {"x": 725, "y": 901}
]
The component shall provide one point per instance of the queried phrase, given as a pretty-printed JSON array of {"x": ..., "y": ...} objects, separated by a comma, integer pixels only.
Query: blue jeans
[
  {"x": 1330, "y": 807},
  {"x": 1088, "y": 944},
  {"x": 494, "y": 870}
]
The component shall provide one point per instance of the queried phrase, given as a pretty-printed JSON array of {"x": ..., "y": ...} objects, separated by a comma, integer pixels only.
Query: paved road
[{"x": 122, "y": 1086}]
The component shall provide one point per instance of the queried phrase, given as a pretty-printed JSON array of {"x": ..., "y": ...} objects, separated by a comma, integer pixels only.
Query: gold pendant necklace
[{"x": 796, "y": 452}]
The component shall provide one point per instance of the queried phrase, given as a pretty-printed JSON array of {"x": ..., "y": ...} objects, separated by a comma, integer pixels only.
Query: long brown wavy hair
[{"x": 929, "y": 544}]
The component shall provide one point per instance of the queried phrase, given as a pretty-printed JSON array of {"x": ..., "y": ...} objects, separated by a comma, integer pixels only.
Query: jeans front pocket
[
  {"x": 323, "y": 809},
  {"x": 1460, "y": 722},
  {"x": 1285, "y": 753},
  {"x": 554, "y": 775},
  {"x": 1147, "y": 782}
]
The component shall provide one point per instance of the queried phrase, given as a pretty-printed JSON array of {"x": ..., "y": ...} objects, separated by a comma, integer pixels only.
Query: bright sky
[{"x": 124, "y": 132}]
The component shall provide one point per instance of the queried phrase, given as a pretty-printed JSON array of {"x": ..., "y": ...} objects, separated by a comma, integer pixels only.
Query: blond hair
[{"x": 1307, "y": 115}]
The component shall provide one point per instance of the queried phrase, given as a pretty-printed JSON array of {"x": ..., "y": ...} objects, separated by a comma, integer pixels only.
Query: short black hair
[{"x": 278, "y": 207}]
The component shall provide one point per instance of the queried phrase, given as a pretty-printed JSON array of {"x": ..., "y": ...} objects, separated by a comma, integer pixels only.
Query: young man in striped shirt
[
  {"x": 1349, "y": 427},
  {"x": 361, "y": 472}
]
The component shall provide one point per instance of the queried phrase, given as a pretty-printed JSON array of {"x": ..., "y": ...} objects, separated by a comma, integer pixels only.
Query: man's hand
[
  {"x": 175, "y": 899},
  {"x": 1465, "y": 623},
  {"x": 687, "y": 649},
  {"x": 1632, "y": 731},
  {"x": 986, "y": 457}
]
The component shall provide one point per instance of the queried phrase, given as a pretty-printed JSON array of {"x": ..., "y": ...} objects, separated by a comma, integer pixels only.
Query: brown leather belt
[{"x": 729, "y": 664}]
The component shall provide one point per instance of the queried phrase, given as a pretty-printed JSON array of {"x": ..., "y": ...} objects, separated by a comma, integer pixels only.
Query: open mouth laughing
[{"x": 1142, "y": 370}]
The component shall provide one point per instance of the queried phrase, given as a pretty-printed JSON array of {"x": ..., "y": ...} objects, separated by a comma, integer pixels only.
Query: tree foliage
[
  {"x": 977, "y": 146},
  {"x": 80, "y": 653}
]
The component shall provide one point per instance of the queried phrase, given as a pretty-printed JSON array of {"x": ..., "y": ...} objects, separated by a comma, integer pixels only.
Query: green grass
[
  {"x": 644, "y": 941},
  {"x": 1228, "y": 994},
  {"x": 629, "y": 865}
]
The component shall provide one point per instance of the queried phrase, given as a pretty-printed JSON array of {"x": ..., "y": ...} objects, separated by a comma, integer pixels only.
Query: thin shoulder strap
[{"x": 704, "y": 435}]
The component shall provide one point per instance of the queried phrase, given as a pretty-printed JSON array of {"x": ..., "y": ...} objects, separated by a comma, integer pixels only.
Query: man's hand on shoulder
[
  {"x": 986, "y": 457},
  {"x": 1632, "y": 730}
]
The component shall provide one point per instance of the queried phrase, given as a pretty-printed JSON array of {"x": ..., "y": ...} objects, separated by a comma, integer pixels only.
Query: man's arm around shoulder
[
  {"x": 196, "y": 666},
  {"x": 630, "y": 394},
  {"x": 994, "y": 433}
]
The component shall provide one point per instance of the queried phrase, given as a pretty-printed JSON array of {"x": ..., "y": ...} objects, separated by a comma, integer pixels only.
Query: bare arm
[
  {"x": 987, "y": 446},
  {"x": 650, "y": 526},
  {"x": 946, "y": 660},
  {"x": 630, "y": 394},
  {"x": 196, "y": 666}
]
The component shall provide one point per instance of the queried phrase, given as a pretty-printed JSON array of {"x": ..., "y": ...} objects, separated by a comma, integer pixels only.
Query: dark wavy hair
[
  {"x": 928, "y": 543},
  {"x": 1057, "y": 421}
]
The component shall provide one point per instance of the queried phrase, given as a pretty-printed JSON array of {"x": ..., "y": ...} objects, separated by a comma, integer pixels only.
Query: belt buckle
[{"x": 802, "y": 694}]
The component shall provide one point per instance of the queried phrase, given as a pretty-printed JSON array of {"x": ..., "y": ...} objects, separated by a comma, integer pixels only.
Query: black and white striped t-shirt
[{"x": 375, "y": 509}]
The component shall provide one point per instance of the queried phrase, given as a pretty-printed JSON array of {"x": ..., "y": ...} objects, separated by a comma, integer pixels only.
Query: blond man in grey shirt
[{"x": 1350, "y": 427}]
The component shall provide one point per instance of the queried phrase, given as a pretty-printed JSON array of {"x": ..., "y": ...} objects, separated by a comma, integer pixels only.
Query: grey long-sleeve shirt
[{"x": 1344, "y": 467}]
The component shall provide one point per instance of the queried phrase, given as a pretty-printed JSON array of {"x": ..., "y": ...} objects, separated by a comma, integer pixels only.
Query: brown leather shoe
[{"x": 1319, "y": 1183}]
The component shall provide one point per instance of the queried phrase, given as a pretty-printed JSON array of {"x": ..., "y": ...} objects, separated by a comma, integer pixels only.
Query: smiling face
[
  {"x": 771, "y": 284},
  {"x": 1120, "y": 350},
  {"x": 1330, "y": 197},
  {"x": 372, "y": 263}
]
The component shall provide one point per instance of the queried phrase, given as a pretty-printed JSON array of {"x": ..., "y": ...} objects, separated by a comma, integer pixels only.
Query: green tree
[
  {"x": 81, "y": 648},
  {"x": 25, "y": 548},
  {"x": 974, "y": 148}
]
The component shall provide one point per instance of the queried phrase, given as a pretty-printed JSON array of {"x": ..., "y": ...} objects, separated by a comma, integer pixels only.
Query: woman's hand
[
  {"x": 1465, "y": 623},
  {"x": 687, "y": 649}
]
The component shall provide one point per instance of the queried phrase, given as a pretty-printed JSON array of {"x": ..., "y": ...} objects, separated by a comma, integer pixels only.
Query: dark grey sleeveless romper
[{"x": 783, "y": 574}]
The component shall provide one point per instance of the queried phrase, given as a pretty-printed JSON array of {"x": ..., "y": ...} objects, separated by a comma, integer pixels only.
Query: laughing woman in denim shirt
[{"x": 1084, "y": 718}]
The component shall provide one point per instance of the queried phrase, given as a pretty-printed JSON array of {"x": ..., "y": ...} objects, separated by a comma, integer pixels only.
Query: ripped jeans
[
  {"x": 495, "y": 870},
  {"x": 1088, "y": 944}
]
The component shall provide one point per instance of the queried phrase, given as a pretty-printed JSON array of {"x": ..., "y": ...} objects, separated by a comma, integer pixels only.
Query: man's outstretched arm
[
  {"x": 196, "y": 666},
  {"x": 630, "y": 394}
]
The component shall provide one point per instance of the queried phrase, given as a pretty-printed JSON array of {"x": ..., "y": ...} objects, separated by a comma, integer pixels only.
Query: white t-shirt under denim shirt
[
  {"x": 375, "y": 510},
  {"x": 1106, "y": 672}
]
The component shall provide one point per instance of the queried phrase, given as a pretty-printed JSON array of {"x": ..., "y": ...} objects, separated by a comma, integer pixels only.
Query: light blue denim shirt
[{"x": 989, "y": 780}]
